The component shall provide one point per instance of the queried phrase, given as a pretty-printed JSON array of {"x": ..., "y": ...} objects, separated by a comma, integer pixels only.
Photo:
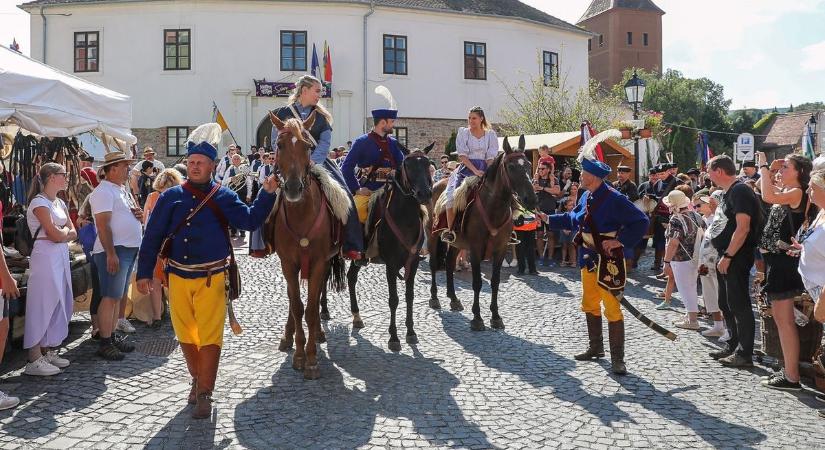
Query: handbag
[{"x": 233, "y": 275}]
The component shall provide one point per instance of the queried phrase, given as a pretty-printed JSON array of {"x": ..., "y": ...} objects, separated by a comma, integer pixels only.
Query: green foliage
[
  {"x": 537, "y": 109},
  {"x": 759, "y": 126},
  {"x": 742, "y": 122},
  {"x": 791, "y": 108},
  {"x": 449, "y": 149},
  {"x": 811, "y": 106},
  {"x": 682, "y": 144},
  {"x": 680, "y": 99}
]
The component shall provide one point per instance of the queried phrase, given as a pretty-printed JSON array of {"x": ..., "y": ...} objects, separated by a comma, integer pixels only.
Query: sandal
[
  {"x": 122, "y": 344},
  {"x": 110, "y": 352}
]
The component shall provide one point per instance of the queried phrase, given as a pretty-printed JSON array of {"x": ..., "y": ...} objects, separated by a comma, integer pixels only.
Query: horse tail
[
  {"x": 337, "y": 274},
  {"x": 441, "y": 250}
]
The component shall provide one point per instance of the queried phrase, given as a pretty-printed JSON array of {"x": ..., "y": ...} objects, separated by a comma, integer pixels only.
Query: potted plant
[
  {"x": 626, "y": 127},
  {"x": 653, "y": 124}
]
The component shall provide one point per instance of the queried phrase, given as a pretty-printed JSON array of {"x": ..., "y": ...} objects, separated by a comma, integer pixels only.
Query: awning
[{"x": 51, "y": 103}]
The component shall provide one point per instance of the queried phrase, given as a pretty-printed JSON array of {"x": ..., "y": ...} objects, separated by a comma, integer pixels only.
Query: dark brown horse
[
  {"x": 301, "y": 231},
  {"x": 485, "y": 231},
  {"x": 400, "y": 235}
]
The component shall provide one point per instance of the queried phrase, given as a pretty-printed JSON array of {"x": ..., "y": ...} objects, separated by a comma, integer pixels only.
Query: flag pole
[{"x": 217, "y": 112}]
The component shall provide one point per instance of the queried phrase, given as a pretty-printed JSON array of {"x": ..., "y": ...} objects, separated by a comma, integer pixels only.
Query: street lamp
[{"x": 635, "y": 91}]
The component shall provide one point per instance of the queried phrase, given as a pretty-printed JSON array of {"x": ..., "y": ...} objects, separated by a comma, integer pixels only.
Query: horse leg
[
  {"x": 435, "y": 254},
  {"x": 452, "y": 257},
  {"x": 477, "y": 324},
  {"x": 296, "y": 308},
  {"x": 392, "y": 285},
  {"x": 352, "y": 280},
  {"x": 412, "y": 338},
  {"x": 324, "y": 308},
  {"x": 289, "y": 332},
  {"x": 313, "y": 320},
  {"x": 496, "y": 321}
]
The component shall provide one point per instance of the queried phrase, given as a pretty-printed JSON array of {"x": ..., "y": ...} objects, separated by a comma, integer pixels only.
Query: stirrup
[
  {"x": 514, "y": 238},
  {"x": 448, "y": 236}
]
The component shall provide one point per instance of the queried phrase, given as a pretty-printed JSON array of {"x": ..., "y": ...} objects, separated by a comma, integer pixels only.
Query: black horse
[
  {"x": 396, "y": 222},
  {"x": 486, "y": 230}
]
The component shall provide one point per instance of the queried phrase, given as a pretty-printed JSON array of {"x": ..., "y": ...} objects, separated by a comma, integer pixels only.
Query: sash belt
[{"x": 209, "y": 268}]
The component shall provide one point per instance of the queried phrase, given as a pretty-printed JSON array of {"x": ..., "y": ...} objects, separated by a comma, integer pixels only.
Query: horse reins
[{"x": 493, "y": 230}]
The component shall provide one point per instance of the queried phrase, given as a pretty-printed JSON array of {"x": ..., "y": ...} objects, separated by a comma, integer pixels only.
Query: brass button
[
  {"x": 188, "y": 224},
  {"x": 191, "y": 209},
  {"x": 185, "y": 240},
  {"x": 193, "y": 197},
  {"x": 185, "y": 257}
]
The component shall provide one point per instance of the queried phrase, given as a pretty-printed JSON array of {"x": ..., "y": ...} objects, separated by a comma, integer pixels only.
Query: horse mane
[
  {"x": 492, "y": 171},
  {"x": 296, "y": 128}
]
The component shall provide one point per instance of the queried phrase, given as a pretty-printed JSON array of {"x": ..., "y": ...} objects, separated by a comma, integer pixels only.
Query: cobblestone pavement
[{"x": 517, "y": 388}]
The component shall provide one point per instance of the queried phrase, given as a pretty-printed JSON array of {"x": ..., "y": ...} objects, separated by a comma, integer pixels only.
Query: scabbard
[
  {"x": 233, "y": 321},
  {"x": 643, "y": 318}
]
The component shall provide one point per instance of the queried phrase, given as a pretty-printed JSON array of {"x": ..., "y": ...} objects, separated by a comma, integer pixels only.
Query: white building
[{"x": 175, "y": 57}]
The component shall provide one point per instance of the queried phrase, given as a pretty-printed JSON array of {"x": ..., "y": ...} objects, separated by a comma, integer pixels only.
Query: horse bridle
[
  {"x": 493, "y": 230},
  {"x": 404, "y": 186},
  {"x": 307, "y": 139}
]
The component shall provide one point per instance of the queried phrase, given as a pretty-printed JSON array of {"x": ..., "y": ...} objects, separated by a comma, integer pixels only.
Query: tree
[
  {"x": 742, "y": 122},
  {"x": 791, "y": 108},
  {"x": 811, "y": 106},
  {"x": 449, "y": 149},
  {"x": 682, "y": 144},
  {"x": 536, "y": 108}
]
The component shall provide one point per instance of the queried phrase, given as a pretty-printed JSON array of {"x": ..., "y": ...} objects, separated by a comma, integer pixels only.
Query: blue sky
[{"x": 765, "y": 53}]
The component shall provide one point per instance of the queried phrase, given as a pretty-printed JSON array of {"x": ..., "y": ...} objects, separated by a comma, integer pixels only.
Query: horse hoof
[
  {"x": 395, "y": 345},
  {"x": 497, "y": 324},
  {"x": 298, "y": 362},
  {"x": 285, "y": 345},
  {"x": 312, "y": 372},
  {"x": 435, "y": 304},
  {"x": 325, "y": 315},
  {"x": 412, "y": 339},
  {"x": 456, "y": 305},
  {"x": 322, "y": 338},
  {"x": 358, "y": 324},
  {"x": 477, "y": 325}
]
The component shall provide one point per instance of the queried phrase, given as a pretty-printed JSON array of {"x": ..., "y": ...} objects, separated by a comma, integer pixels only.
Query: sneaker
[
  {"x": 686, "y": 324},
  {"x": 534, "y": 272},
  {"x": 718, "y": 354},
  {"x": 124, "y": 326},
  {"x": 725, "y": 336},
  {"x": 7, "y": 401},
  {"x": 110, "y": 352},
  {"x": 119, "y": 341},
  {"x": 736, "y": 360},
  {"x": 60, "y": 363},
  {"x": 664, "y": 305},
  {"x": 782, "y": 383},
  {"x": 820, "y": 397},
  {"x": 660, "y": 295},
  {"x": 715, "y": 331},
  {"x": 41, "y": 368},
  {"x": 778, "y": 373}
]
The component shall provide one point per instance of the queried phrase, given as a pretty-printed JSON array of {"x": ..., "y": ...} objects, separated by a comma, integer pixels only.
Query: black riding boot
[
  {"x": 595, "y": 348},
  {"x": 615, "y": 331}
]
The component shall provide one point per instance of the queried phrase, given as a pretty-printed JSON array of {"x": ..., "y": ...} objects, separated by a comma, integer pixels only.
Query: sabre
[
  {"x": 643, "y": 318},
  {"x": 233, "y": 321}
]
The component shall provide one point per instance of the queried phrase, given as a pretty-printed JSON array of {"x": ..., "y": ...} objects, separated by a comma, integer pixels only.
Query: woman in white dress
[
  {"x": 49, "y": 298},
  {"x": 476, "y": 147}
]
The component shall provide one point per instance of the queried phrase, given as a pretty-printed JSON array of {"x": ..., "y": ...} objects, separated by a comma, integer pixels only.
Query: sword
[
  {"x": 233, "y": 321},
  {"x": 643, "y": 318}
]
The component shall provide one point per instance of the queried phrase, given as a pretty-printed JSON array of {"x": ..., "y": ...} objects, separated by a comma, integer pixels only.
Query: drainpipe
[
  {"x": 364, "y": 116},
  {"x": 44, "y": 34}
]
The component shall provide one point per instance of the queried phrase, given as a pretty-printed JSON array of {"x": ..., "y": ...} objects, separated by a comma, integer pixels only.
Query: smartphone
[{"x": 782, "y": 245}]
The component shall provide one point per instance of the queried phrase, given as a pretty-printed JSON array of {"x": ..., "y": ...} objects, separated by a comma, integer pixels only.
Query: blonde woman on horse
[
  {"x": 476, "y": 147},
  {"x": 303, "y": 102}
]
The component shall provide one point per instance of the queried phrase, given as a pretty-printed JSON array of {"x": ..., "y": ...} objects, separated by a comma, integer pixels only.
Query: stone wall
[
  {"x": 421, "y": 132},
  {"x": 155, "y": 138}
]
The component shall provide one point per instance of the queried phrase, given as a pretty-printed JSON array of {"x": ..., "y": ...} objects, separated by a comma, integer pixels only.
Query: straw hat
[
  {"x": 452, "y": 165},
  {"x": 676, "y": 200},
  {"x": 148, "y": 151},
  {"x": 114, "y": 158}
]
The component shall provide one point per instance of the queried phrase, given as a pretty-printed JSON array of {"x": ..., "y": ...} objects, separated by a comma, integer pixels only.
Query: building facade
[
  {"x": 628, "y": 34},
  {"x": 175, "y": 58}
]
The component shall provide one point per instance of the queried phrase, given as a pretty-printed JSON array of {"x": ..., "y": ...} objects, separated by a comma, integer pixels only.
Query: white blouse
[
  {"x": 472, "y": 147},
  {"x": 812, "y": 260}
]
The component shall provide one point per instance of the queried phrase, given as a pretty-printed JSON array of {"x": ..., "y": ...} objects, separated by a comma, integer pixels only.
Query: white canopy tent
[{"x": 51, "y": 103}]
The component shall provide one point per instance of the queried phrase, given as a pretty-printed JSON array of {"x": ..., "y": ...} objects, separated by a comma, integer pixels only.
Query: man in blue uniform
[
  {"x": 375, "y": 154},
  {"x": 194, "y": 217},
  {"x": 605, "y": 216}
]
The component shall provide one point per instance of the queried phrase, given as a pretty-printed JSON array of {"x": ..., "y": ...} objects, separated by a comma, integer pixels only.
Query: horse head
[
  {"x": 293, "y": 149},
  {"x": 415, "y": 173},
  {"x": 518, "y": 174}
]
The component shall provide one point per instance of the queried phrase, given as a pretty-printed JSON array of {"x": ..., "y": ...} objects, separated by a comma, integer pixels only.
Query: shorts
[
  {"x": 115, "y": 285},
  {"x": 566, "y": 238},
  {"x": 782, "y": 279}
]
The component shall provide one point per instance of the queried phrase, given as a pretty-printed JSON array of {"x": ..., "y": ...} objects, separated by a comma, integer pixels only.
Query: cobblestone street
[{"x": 517, "y": 388}]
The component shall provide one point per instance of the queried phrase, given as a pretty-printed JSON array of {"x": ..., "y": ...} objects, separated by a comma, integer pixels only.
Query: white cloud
[{"x": 813, "y": 58}]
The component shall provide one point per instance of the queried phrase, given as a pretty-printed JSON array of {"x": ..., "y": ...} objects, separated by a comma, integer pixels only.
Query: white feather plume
[
  {"x": 589, "y": 149},
  {"x": 208, "y": 132},
  {"x": 384, "y": 92}
]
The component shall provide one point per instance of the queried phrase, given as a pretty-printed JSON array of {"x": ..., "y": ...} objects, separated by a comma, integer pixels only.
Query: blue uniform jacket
[
  {"x": 202, "y": 239},
  {"x": 615, "y": 213},
  {"x": 366, "y": 153}
]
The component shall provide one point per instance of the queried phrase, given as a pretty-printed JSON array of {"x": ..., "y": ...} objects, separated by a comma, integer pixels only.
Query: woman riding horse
[{"x": 302, "y": 102}]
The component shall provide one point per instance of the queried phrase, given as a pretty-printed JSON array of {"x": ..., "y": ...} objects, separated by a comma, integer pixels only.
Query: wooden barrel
[{"x": 810, "y": 338}]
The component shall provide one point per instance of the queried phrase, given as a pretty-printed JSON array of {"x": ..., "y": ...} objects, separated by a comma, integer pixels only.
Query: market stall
[{"x": 41, "y": 111}]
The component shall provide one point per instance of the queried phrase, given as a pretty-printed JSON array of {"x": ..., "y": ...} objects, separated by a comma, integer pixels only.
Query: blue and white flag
[{"x": 316, "y": 72}]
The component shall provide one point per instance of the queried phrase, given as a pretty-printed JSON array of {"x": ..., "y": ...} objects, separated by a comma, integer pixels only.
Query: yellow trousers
[
  {"x": 198, "y": 311},
  {"x": 593, "y": 295},
  {"x": 362, "y": 203}
]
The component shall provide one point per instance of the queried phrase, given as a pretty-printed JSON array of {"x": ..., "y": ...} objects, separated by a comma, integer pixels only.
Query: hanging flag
[
  {"x": 315, "y": 69},
  {"x": 588, "y": 132},
  {"x": 217, "y": 117},
  {"x": 14, "y": 45},
  {"x": 703, "y": 150},
  {"x": 808, "y": 143},
  {"x": 327, "y": 64}
]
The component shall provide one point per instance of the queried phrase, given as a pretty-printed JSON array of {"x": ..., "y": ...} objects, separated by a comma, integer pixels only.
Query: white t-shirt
[
  {"x": 58, "y": 212},
  {"x": 126, "y": 229},
  {"x": 812, "y": 260}
]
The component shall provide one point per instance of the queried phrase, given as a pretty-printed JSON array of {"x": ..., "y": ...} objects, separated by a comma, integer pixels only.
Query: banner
[{"x": 265, "y": 88}]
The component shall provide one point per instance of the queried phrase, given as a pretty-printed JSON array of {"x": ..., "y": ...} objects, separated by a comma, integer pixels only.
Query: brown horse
[
  {"x": 485, "y": 231},
  {"x": 301, "y": 231}
]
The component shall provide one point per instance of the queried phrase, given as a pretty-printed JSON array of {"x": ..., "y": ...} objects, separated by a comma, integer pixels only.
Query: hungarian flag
[
  {"x": 327, "y": 64},
  {"x": 703, "y": 151},
  {"x": 588, "y": 132}
]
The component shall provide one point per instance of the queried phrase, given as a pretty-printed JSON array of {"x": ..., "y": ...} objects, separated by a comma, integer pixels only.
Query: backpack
[
  {"x": 700, "y": 234},
  {"x": 23, "y": 239}
]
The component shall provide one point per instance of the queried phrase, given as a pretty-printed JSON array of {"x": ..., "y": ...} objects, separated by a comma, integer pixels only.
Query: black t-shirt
[
  {"x": 547, "y": 202},
  {"x": 740, "y": 199}
]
